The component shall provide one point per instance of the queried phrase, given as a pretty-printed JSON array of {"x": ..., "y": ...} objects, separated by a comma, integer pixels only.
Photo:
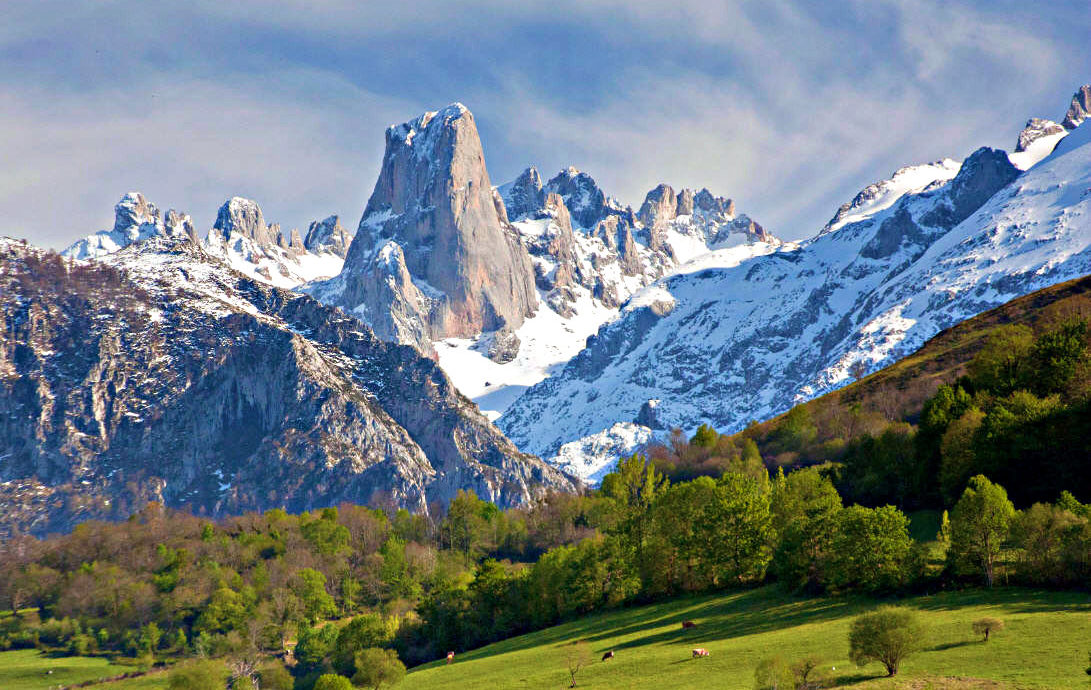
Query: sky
[{"x": 787, "y": 107}]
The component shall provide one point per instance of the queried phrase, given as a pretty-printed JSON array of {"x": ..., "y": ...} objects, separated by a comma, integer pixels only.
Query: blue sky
[{"x": 788, "y": 107}]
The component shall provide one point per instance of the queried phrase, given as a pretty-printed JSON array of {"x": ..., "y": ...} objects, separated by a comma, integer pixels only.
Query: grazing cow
[
  {"x": 608, "y": 655},
  {"x": 688, "y": 624},
  {"x": 450, "y": 657},
  {"x": 700, "y": 651}
]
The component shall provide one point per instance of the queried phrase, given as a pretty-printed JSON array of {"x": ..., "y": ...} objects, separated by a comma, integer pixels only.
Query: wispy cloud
[{"x": 789, "y": 107}]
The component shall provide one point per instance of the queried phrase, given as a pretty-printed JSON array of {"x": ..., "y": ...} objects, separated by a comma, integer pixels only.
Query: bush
[
  {"x": 987, "y": 626},
  {"x": 199, "y": 675},
  {"x": 809, "y": 674},
  {"x": 275, "y": 677},
  {"x": 886, "y": 635},
  {"x": 332, "y": 681},
  {"x": 773, "y": 674},
  {"x": 376, "y": 667}
]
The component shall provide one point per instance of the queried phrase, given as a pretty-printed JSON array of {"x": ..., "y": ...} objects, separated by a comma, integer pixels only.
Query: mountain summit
[{"x": 434, "y": 255}]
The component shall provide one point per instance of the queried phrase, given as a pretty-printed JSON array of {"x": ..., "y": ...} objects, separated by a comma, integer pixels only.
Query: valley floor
[{"x": 1045, "y": 644}]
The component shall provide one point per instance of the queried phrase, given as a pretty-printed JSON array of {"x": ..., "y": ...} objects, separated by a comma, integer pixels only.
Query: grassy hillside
[
  {"x": 29, "y": 669},
  {"x": 1045, "y": 644}
]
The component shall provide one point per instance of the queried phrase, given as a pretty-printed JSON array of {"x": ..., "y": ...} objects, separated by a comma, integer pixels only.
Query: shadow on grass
[
  {"x": 854, "y": 679},
  {"x": 952, "y": 645}
]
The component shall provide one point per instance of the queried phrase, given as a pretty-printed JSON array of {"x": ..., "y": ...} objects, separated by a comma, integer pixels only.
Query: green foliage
[
  {"x": 797, "y": 431},
  {"x": 1001, "y": 365},
  {"x": 332, "y": 681},
  {"x": 315, "y": 644},
  {"x": 979, "y": 527},
  {"x": 805, "y": 510},
  {"x": 987, "y": 626},
  {"x": 887, "y": 635},
  {"x": 705, "y": 437},
  {"x": 363, "y": 632},
  {"x": 774, "y": 673},
  {"x": 870, "y": 549},
  {"x": 198, "y": 675},
  {"x": 378, "y": 667},
  {"x": 309, "y": 585},
  {"x": 274, "y": 676}
]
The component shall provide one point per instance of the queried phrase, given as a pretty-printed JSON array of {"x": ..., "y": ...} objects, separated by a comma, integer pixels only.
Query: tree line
[{"x": 168, "y": 585}]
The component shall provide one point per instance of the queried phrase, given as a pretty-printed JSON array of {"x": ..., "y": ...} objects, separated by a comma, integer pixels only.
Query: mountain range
[{"x": 254, "y": 367}]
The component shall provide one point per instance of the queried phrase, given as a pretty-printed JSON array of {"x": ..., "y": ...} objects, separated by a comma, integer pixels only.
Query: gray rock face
[
  {"x": 504, "y": 346},
  {"x": 524, "y": 195},
  {"x": 244, "y": 217},
  {"x": 328, "y": 235},
  {"x": 1035, "y": 129},
  {"x": 161, "y": 374},
  {"x": 135, "y": 219},
  {"x": 587, "y": 203},
  {"x": 660, "y": 206},
  {"x": 434, "y": 200},
  {"x": 1080, "y": 108}
]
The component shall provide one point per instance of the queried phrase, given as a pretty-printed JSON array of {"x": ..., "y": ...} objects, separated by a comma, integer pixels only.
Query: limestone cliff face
[
  {"x": 159, "y": 373},
  {"x": 435, "y": 201}
]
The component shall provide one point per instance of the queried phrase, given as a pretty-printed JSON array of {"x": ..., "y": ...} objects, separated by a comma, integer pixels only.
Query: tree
[
  {"x": 362, "y": 632},
  {"x": 378, "y": 667},
  {"x": 198, "y": 675},
  {"x": 773, "y": 674},
  {"x": 809, "y": 674},
  {"x": 275, "y": 677},
  {"x": 310, "y": 586},
  {"x": 887, "y": 635},
  {"x": 332, "y": 681},
  {"x": 869, "y": 549},
  {"x": 980, "y": 524},
  {"x": 805, "y": 508},
  {"x": 987, "y": 626},
  {"x": 633, "y": 487},
  {"x": 577, "y": 656}
]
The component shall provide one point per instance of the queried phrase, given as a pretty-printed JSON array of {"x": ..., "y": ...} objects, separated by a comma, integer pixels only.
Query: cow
[
  {"x": 686, "y": 625},
  {"x": 700, "y": 651},
  {"x": 450, "y": 657},
  {"x": 608, "y": 655}
]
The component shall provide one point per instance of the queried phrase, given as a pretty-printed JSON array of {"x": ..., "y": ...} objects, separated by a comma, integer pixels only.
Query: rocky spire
[
  {"x": 134, "y": 211},
  {"x": 244, "y": 217},
  {"x": 178, "y": 223},
  {"x": 586, "y": 202},
  {"x": 435, "y": 200},
  {"x": 1080, "y": 108},
  {"x": 1036, "y": 129},
  {"x": 328, "y": 235},
  {"x": 523, "y": 196}
]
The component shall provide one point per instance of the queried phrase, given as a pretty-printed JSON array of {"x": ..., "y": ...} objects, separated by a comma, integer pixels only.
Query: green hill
[{"x": 1045, "y": 644}]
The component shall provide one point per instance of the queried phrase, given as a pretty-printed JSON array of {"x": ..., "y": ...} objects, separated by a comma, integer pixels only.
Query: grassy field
[
  {"x": 28, "y": 669},
  {"x": 1045, "y": 644}
]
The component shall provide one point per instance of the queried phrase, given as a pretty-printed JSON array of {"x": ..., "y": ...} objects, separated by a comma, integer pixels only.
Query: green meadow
[{"x": 1045, "y": 644}]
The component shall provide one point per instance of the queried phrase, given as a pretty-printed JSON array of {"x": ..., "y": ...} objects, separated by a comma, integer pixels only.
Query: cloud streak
[{"x": 787, "y": 107}]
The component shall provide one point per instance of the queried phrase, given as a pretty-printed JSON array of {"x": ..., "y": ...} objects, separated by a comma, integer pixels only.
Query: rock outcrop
[
  {"x": 1079, "y": 109},
  {"x": 328, "y": 235},
  {"x": 135, "y": 219},
  {"x": 158, "y": 373},
  {"x": 434, "y": 200},
  {"x": 1035, "y": 129}
]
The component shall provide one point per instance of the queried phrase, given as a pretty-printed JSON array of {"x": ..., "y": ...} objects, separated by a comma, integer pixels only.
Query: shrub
[
  {"x": 886, "y": 635},
  {"x": 376, "y": 667},
  {"x": 199, "y": 675},
  {"x": 332, "y": 681},
  {"x": 987, "y": 626},
  {"x": 773, "y": 674}
]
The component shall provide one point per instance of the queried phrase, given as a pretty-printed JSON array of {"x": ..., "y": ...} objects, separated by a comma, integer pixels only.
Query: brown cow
[
  {"x": 700, "y": 651},
  {"x": 450, "y": 657},
  {"x": 688, "y": 624},
  {"x": 608, "y": 655}
]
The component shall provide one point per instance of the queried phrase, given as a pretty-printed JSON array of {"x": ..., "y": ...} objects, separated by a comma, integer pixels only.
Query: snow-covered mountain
[
  {"x": 906, "y": 258},
  {"x": 505, "y": 285},
  {"x": 240, "y": 237},
  {"x": 159, "y": 373}
]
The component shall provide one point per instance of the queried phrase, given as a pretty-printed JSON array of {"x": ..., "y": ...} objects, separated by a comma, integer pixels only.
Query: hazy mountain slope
[{"x": 160, "y": 373}]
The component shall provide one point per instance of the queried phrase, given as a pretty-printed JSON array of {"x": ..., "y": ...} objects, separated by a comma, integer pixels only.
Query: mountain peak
[
  {"x": 133, "y": 211},
  {"x": 1080, "y": 108},
  {"x": 243, "y": 216}
]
